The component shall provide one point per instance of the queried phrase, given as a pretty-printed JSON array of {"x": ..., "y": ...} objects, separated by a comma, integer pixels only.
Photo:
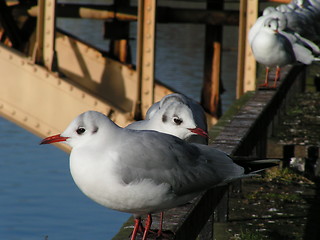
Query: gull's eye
[
  {"x": 81, "y": 130},
  {"x": 177, "y": 120}
]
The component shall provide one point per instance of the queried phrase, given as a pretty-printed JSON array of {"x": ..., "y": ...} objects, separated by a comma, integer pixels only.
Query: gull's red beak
[
  {"x": 199, "y": 131},
  {"x": 53, "y": 139}
]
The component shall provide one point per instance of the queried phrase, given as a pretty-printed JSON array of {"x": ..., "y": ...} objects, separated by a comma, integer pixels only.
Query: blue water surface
[{"x": 38, "y": 198}]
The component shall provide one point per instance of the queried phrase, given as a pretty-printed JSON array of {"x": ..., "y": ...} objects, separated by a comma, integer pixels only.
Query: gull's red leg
[
  {"x": 266, "y": 80},
  {"x": 137, "y": 224},
  {"x": 160, "y": 224},
  {"x": 147, "y": 227},
  {"x": 277, "y": 77}
]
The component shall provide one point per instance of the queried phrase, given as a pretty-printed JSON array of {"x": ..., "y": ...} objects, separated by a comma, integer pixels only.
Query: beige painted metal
[
  {"x": 250, "y": 66},
  {"x": 40, "y": 101},
  {"x": 46, "y": 33},
  {"x": 246, "y": 72},
  {"x": 106, "y": 78},
  {"x": 242, "y": 39},
  {"x": 146, "y": 51}
]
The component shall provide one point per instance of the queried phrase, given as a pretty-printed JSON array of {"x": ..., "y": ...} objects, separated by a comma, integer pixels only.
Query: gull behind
[{"x": 176, "y": 115}]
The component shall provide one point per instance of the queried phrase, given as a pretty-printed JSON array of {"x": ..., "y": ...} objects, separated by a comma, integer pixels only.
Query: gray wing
[
  {"x": 163, "y": 158},
  {"x": 152, "y": 110},
  {"x": 139, "y": 125},
  {"x": 302, "y": 47}
]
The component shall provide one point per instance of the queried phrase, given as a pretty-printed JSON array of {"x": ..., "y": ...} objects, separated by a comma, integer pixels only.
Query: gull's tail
[{"x": 255, "y": 165}]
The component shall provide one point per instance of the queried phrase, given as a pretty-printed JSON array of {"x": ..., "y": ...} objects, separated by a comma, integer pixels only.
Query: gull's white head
[
  {"x": 272, "y": 25},
  {"x": 176, "y": 118},
  {"x": 82, "y": 130}
]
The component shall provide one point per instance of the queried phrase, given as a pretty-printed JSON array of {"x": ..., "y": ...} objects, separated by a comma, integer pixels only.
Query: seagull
[
  {"x": 273, "y": 47},
  {"x": 176, "y": 115},
  {"x": 140, "y": 171}
]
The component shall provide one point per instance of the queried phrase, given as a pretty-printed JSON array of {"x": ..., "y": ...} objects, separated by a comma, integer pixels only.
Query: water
[{"x": 38, "y": 197}]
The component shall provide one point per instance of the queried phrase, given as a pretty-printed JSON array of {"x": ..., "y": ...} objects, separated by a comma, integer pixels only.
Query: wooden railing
[{"x": 243, "y": 134}]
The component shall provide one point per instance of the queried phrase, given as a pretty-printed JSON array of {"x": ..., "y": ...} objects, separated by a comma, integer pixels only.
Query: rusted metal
[
  {"x": 118, "y": 32},
  {"x": 164, "y": 14},
  {"x": 11, "y": 29},
  {"x": 210, "y": 96}
]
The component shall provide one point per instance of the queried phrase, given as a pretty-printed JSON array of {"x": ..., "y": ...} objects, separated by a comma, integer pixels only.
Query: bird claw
[
  {"x": 266, "y": 86},
  {"x": 163, "y": 235}
]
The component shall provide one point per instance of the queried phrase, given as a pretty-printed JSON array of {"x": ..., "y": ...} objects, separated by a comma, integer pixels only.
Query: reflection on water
[{"x": 37, "y": 195}]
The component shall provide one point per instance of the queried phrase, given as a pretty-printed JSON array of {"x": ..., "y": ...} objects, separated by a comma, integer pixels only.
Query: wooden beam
[{"x": 146, "y": 52}]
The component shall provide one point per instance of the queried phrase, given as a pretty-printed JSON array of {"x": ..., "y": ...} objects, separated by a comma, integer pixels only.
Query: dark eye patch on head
[
  {"x": 164, "y": 118},
  {"x": 95, "y": 129}
]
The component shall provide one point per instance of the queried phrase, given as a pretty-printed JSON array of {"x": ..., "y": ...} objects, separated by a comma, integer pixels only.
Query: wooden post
[
  {"x": 146, "y": 51},
  {"x": 311, "y": 160},
  {"x": 288, "y": 153},
  {"x": 210, "y": 97}
]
